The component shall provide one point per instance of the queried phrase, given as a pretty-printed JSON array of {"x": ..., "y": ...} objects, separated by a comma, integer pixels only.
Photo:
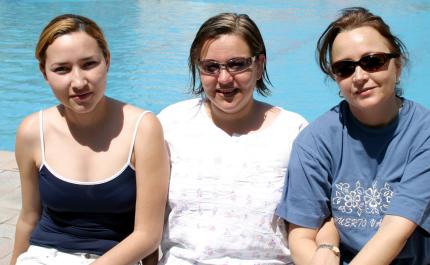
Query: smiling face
[
  {"x": 230, "y": 93},
  {"x": 366, "y": 91},
  {"x": 76, "y": 70}
]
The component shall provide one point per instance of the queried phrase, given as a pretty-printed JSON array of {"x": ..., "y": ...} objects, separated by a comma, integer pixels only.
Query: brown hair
[
  {"x": 65, "y": 24},
  {"x": 228, "y": 23},
  {"x": 352, "y": 18}
]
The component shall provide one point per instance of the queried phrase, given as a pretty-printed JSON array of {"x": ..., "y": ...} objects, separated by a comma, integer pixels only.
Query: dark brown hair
[
  {"x": 352, "y": 18},
  {"x": 228, "y": 23}
]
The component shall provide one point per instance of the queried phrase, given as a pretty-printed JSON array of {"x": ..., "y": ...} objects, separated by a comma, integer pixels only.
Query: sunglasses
[
  {"x": 233, "y": 66},
  {"x": 370, "y": 63}
]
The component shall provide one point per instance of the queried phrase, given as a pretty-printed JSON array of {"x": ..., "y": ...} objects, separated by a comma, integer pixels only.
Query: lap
[{"x": 36, "y": 255}]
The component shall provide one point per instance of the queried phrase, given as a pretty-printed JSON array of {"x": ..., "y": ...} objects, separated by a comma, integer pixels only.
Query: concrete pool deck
[{"x": 10, "y": 204}]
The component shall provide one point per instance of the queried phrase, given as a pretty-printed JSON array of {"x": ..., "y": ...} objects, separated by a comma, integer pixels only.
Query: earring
[{"x": 398, "y": 80}]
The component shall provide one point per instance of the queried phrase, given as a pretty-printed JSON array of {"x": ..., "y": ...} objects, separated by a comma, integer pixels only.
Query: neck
[
  {"x": 248, "y": 119},
  {"x": 97, "y": 128},
  {"x": 89, "y": 120},
  {"x": 380, "y": 116}
]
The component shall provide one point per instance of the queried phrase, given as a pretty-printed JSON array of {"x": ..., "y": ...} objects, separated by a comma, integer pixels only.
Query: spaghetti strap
[
  {"x": 42, "y": 142},
  {"x": 134, "y": 134}
]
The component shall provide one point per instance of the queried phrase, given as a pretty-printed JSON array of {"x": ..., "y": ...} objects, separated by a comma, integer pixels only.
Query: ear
[
  {"x": 399, "y": 67},
  {"x": 43, "y": 71},
  {"x": 261, "y": 62},
  {"x": 107, "y": 59}
]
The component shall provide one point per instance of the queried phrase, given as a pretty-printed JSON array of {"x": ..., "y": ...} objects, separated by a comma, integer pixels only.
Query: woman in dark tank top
[{"x": 94, "y": 170}]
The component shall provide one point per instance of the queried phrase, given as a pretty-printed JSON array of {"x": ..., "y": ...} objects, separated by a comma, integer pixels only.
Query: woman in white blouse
[{"x": 229, "y": 153}]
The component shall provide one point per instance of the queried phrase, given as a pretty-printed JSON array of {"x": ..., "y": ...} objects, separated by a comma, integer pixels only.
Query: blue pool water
[{"x": 149, "y": 42}]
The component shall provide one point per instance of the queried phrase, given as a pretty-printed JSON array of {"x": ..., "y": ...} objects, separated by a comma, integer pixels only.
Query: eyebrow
[
  {"x": 89, "y": 58},
  {"x": 83, "y": 60}
]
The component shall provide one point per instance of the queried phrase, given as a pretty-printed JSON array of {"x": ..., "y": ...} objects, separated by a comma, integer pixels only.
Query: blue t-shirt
[{"x": 357, "y": 174}]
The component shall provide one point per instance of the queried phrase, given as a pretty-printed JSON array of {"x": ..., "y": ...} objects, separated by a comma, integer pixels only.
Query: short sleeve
[
  {"x": 306, "y": 195},
  {"x": 411, "y": 199}
]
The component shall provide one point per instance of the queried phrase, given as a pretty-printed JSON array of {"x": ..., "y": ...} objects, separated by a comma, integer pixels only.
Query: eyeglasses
[
  {"x": 370, "y": 63},
  {"x": 233, "y": 66}
]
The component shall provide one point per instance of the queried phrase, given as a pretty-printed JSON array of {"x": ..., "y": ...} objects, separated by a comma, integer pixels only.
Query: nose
[
  {"x": 360, "y": 75},
  {"x": 78, "y": 79},
  {"x": 224, "y": 75}
]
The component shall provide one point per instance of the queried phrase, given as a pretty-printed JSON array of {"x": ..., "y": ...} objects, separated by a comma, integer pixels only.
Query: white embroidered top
[{"x": 224, "y": 189}]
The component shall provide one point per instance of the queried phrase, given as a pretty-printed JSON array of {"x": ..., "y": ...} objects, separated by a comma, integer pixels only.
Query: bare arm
[
  {"x": 387, "y": 243},
  {"x": 326, "y": 235},
  {"x": 382, "y": 249},
  {"x": 304, "y": 242},
  {"x": 27, "y": 148},
  {"x": 152, "y": 176}
]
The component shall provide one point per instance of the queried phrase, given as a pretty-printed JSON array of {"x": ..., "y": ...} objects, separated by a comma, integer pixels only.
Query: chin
[
  {"x": 230, "y": 107},
  {"x": 82, "y": 109},
  {"x": 364, "y": 104}
]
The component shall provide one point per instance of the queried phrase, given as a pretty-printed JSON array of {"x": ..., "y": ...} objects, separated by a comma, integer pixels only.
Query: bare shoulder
[
  {"x": 28, "y": 133},
  {"x": 28, "y": 130},
  {"x": 130, "y": 109},
  {"x": 148, "y": 127},
  {"x": 148, "y": 124},
  {"x": 27, "y": 148}
]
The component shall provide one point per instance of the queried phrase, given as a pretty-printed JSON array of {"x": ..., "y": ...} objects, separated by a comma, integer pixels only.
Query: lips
[
  {"x": 363, "y": 90},
  {"x": 82, "y": 96},
  {"x": 228, "y": 92}
]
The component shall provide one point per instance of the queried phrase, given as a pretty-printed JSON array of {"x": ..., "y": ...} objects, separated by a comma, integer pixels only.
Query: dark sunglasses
[
  {"x": 370, "y": 63},
  {"x": 233, "y": 66}
]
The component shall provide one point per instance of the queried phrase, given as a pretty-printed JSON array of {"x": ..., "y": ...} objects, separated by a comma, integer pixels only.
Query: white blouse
[{"x": 224, "y": 189}]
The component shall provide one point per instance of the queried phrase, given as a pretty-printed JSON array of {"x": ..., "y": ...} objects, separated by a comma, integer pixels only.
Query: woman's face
[
  {"x": 365, "y": 90},
  {"x": 230, "y": 92},
  {"x": 76, "y": 70}
]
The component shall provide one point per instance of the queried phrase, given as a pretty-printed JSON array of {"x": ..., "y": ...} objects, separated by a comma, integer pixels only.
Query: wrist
[{"x": 333, "y": 248}]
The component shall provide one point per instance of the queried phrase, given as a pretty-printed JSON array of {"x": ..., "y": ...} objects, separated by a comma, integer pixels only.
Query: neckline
[
  {"x": 104, "y": 180},
  {"x": 208, "y": 119},
  {"x": 392, "y": 125},
  {"x": 77, "y": 182}
]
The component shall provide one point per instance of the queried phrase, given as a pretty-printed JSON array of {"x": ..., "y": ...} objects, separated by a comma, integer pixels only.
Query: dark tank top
[{"x": 90, "y": 217}]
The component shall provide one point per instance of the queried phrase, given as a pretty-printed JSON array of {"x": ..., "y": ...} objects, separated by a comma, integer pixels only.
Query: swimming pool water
[{"x": 149, "y": 42}]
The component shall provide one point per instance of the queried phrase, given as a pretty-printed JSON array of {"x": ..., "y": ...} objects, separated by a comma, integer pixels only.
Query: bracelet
[{"x": 333, "y": 248}]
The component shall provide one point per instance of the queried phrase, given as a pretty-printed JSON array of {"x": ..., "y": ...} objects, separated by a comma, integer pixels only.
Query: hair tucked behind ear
[{"x": 352, "y": 18}]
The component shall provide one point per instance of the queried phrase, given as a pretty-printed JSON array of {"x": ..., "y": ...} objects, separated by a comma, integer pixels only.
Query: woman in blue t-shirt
[
  {"x": 365, "y": 164},
  {"x": 94, "y": 170}
]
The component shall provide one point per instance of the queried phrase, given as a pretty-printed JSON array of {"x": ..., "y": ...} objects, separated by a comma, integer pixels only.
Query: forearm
[
  {"x": 302, "y": 243},
  {"x": 132, "y": 249},
  {"x": 303, "y": 251},
  {"x": 387, "y": 243},
  {"x": 327, "y": 235},
  {"x": 22, "y": 238}
]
